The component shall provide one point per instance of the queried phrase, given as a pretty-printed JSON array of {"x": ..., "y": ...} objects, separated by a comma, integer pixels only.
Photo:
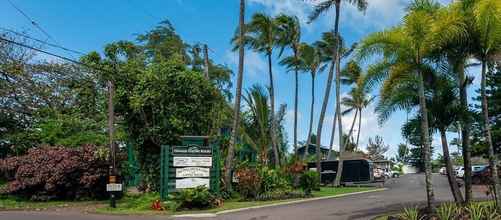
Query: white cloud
[
  {"x": 301, "y": 9},
  {"x": 379, "y": 14},
  {"x": 254, "y": 63}
]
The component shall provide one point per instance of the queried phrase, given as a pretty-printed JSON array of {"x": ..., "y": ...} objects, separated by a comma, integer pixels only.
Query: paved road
[{"x": 402, "y": 192}]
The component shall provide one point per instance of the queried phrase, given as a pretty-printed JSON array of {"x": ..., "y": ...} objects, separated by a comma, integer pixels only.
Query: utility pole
[
  {"x": 111, "y": 121},
  {"x": 206, "y": 61}
]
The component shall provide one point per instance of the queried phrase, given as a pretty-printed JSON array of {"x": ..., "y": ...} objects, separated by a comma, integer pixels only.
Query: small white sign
[
  {"x": 191, "y": 183},
  {"x": 113, "y": 187},
  {"x": 193, "y": 161},
  {"x": 193, "y": 172}
]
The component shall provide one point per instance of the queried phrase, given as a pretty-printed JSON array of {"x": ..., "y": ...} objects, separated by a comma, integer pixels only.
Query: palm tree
[
  {"x": 406, "y": 49},
  {"x": 257, "y": 130},
  {"x": 238, "y": 96},
  {"x": 290, "y": 36},
  {"x": 488, "y": 26},
  {"x": 358, "y": 98},
  {"x": 262, "y": 36},
  {"x": 320, "y": 8},
  {"x": 443, "y": 112}
]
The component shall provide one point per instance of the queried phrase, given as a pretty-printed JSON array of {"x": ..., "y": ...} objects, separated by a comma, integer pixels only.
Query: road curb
[{"x": 212, "y": 215}]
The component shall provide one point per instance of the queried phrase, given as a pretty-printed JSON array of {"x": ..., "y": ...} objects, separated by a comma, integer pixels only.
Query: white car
[
  {"x": 460, "y": 172},
  {"x": 443, "y": 171}
]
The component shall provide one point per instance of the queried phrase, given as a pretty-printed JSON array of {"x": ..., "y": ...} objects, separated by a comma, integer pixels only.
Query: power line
[
  {"x": 41, "y": 41},
  {"x": 33, "y": 22},
  {"x": 53, "y": 54}
]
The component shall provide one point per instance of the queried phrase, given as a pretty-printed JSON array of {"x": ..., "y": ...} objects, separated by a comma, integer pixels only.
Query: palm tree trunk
[
  {"x": 359, "y": 126},
  {"x": 351, "y": 130},
  {"x": 296, "y": 97},
  {"x": 465, "y": 132},
  {"x": 339, "y": 173},
  {"x": 273, "y": 121},
  {"x": 333, "y": 134},
  {"x": 487, "y": 129},
  {"x": 426, "y": 140},
  {"x": 327, "y": 91},
  {"x": 312, "y": 109},
  {"x": 236, "y": 109},
  {"x": 456, "y": 193}
]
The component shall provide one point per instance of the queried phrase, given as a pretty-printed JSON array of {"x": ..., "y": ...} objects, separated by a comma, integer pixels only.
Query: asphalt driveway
[{"x": 402, "y": 192}]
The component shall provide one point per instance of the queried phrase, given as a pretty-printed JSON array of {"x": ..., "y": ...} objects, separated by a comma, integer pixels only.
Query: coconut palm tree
[
  {"x": 262, "y": 36},
  {"x": 257, "y": 130},
  {"x": 443, "y": 111},
  {"x": 238, "y": 95},
  {"x": 358, "y": 98},
  {"x": 290, "y": 36},
  {"x": 320, "y": 8},
  {"x": 488, "y": 28},
  {"x": 406, "y": 49},
  {"x": 311, "y": 60}
]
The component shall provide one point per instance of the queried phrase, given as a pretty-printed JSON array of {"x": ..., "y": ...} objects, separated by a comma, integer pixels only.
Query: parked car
[
  {"x": 482, "y": 176},
  {"x": 460, "y": 172},
  {"x": 443, "y": 171},
  {"x": 477, "y": 168}
]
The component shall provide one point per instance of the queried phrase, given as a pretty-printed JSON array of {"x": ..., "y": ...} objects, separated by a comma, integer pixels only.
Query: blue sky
[{"x": 89, "y": 25}]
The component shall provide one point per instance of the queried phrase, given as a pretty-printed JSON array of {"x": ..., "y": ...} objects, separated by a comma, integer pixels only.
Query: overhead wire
[{"x": 41, "y": 41}]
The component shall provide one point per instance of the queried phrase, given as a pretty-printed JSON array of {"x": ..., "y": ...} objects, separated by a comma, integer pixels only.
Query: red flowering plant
[{"x": 47, "y": 173}]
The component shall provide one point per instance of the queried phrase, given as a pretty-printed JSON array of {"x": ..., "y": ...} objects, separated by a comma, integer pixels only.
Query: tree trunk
[
  {"x": 206, "y": 62},
  {"x": 327, "y": 92},
  {"x": 236, "y": 109},
  {"x": 312, "y": 109},
  {"x": 487, "y": 132},
  {"x": 339, "y": 172},
  {"x": 351, "y": 129},
  {"x": 296, "y": 97},
  {"x": 333, "y": 134},
  {"x": 451, "y": 177},
  {"x": 273, "y": 132},
  {"x": 359, "y": 126},
  {"x": 426, "y": 139},
  {"x": 465, "y": 132}
]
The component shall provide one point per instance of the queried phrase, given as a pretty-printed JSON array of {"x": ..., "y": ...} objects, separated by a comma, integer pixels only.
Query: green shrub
[
  {"x": 410, "y": 214},
  {"x": 309, "y": 181},
  {"x": 447, "y": 211},
  {"x": 272, "y": 180},
  {"x": 476, "y": 211},
  {"x": 249, "y": 182},
  {"x": 195, "y": 198}
]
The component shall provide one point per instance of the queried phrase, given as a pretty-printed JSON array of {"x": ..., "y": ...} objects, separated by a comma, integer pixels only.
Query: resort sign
[
  {"x": 193, "y": 172},
  {"x": 193, "y": 163}
]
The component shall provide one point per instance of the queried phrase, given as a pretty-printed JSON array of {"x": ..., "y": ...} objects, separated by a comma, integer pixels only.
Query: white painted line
[{"x": 201, "y": 215}]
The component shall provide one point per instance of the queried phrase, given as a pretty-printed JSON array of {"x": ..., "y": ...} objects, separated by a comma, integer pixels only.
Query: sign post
[{"x": 192, "y": 164}]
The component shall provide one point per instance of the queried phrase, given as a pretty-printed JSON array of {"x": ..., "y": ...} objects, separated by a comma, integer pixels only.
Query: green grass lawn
[
  {"x": 141, "y": 204},
  {"x": 10, "y": 202}
]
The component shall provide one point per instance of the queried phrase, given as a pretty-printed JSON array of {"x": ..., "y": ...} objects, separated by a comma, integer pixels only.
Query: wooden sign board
[
  {"x": 192, "y": 161},
  {"x": 191, "y": 183},
  {"x": 192, "y": 172},
  {"x": 194, "y": 150}
]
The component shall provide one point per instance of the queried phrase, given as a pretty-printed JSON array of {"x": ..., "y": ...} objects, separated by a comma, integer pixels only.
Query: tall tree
[
  {"x": 310, "y": 60},
  {"x": 488, "y": 27},
  {"x": 262, "y": 36},
  {"x": 320, "y": 8},
  {"x": 290, "y": 36},
  {"x": 236, "y": 110},
  {"x": 358, "y": 98},
  {"x": 406, "y": 49},
  {"x": 376, "y": 148}
]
